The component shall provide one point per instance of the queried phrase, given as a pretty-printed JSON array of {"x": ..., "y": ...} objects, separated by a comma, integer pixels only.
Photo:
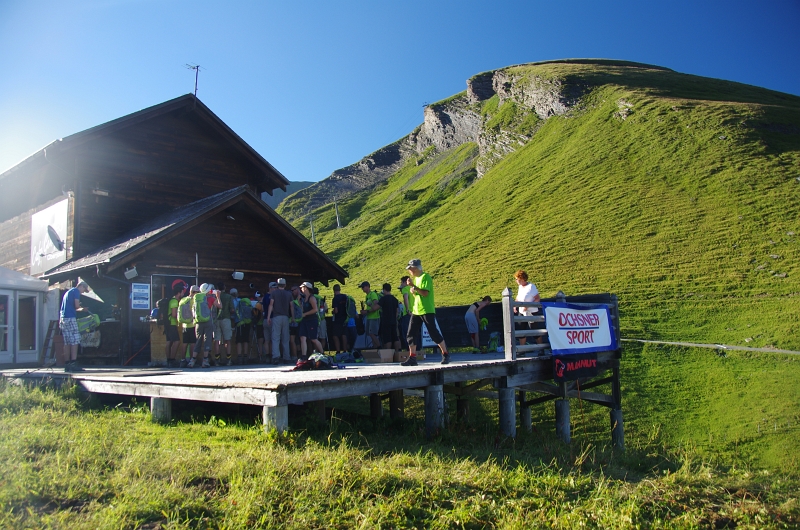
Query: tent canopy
[{"x": 10, "y": 279}]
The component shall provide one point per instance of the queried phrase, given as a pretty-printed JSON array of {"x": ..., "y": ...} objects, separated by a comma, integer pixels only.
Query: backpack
[
  {"x": 352, "y": 310},
  {"x": 494, "y": 341},
  {"x": 185, "y": 315},
  {"x": 163, "y": 311},
  {"x": 244, "y": 311},
  {"x": 201, "y": 311}
]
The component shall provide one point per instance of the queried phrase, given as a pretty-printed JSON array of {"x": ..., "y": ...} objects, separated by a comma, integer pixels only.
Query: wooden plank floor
[{"x": 267, "y": 385}]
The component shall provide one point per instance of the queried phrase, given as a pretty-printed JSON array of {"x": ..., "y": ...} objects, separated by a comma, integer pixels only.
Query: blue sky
[{"x": 315, "y": 86}]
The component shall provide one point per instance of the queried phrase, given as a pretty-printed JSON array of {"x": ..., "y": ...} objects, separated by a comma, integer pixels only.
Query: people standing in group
[
  {"x": 294, "y": 321},
  {"x": 278, "y": 315},
  {"x": 322, "y": 310},
  {"x": 372, "y": 309},
  {"x": 204, "y": 327},
  {"x": 473, "y": 319},
  {"x": 223, "y": 327},
  {"x": 339, "y": 319},
  {"x": 389, "y": 336},
  {"x": 309, "y": 322},
  {"x": 423, "y": 310},
  {"x": 405, "y": 313},
  {"x": 257, "y": 324},
  {"x": 527, "y": 292},
  {"x": 68, "y": 322},
  {"x": 244, "y": 329},
  {"x": 273, "y": 286},
  {"x": 186, "y": 318},
  {"x": 173, "y": 340}
]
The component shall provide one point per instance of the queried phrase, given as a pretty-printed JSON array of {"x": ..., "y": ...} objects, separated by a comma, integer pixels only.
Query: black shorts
[
  {"x": 171, "y": 333},
  {"x": 309, "y": 327},
  {"x": 337, "y": 328},
  {"x": 415, "y": 327},
  {"x": 189, "y": 336},
  {"x": 243, "y": 333},
  {"x": 388, "y": 333},
  {"x": 294, "y": 331}
]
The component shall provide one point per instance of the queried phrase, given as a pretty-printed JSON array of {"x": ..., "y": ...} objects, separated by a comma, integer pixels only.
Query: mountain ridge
[{"x": 679, "y": 193}]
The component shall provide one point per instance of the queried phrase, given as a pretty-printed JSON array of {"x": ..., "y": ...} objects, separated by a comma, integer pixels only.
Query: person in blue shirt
[{"x": 70, "y": 306}]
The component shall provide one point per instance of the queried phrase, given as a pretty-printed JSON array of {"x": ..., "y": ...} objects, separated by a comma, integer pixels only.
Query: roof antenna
[{"x": 196, "y": 68}]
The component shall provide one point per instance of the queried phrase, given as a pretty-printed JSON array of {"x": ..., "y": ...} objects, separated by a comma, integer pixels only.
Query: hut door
[
  {"x": 6, "y": 327},
  {"x": 27, "y": 327}
]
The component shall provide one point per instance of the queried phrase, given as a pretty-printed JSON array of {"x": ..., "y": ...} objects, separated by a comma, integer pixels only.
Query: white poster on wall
[
  {"x": 48, "y": 237},
  {"x": 140, "y": 296}
]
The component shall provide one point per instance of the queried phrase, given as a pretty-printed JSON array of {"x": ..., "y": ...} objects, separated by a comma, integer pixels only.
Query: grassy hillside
[
  {"x": 689, "y": 462},
  {"x": 679, "y": 193}
]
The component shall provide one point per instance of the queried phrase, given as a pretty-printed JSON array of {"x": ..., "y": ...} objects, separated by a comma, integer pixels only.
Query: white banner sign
[
  {"x": 140, "y": 296},
  {"x": 578, "y": 329},
  {"x": 427, "y": 341}
]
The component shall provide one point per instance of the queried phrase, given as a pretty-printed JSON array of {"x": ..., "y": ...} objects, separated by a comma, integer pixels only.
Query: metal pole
[{"x": 509, "y": 338}]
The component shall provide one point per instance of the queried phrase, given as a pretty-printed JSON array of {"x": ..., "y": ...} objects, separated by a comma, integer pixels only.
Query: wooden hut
[{"x": 130, "y": 205}]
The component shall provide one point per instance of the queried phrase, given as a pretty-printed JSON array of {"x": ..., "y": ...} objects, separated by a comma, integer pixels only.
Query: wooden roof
[
  {"x": 271, "y": 177},
  {"x": 160, "y": 229}
]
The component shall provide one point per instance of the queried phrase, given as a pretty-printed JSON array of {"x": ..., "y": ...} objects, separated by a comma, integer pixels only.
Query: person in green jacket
[
  {"x": 423, "y": 310},
  {"x": 372, "y": 309}
]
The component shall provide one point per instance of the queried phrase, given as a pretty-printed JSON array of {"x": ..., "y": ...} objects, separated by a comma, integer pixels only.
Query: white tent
[
  {"x": 16, "y": 280},
  {"x": 23, "y": 320}
]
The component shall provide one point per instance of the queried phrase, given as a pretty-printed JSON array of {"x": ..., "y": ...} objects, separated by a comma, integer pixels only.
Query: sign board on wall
[
  {"x": 427, "y": 341},
  {"x": 48, "y": 237},
  {"x": 574, "y": 329},
  {"x": 140, "y": 296}
]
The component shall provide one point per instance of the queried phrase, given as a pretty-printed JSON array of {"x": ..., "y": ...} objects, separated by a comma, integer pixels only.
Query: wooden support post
[
  {"x": 319, "y": 410},
  {"x": 276, "y": 417},
  {"x": 617, "y": 429},
  {"x": 524, "y": 413},
  {"x": 396, "y": 404},
  {"x": 562, "y": 420},
  {"x": 508, "y": 409},
  {"x": 160, "y": 409},
  {"x": 375, "y": 406},
  {"x": 434, "y": 409},
  {"x": 509, "y": 340},
  {"x": 462, "y": 405}
]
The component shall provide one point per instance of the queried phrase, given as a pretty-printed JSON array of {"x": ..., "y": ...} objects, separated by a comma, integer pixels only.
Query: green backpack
[{"x": 202, "y": 313}]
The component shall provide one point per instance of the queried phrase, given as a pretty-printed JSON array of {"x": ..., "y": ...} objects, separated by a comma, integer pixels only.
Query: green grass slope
[{"x": 679, "y": 193}]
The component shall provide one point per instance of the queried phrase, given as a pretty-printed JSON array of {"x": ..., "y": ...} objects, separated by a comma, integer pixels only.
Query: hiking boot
[
  {"x": 216, "y": 361},
  {"x": 230, "y": 362},
  {"x": 206, "y": 363},
  {"x": 411, "y": 361},
  {"x": 445, "y": 358},
  {"x": 192, "y": 362},
  {"x": 183, "y": 363}
]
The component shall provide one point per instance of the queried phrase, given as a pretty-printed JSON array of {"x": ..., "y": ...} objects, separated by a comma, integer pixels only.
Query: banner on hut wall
[{"x": 576, "y": 329}]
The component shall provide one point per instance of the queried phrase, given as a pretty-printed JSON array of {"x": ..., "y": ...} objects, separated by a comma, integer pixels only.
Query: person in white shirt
[{"x": 527, "y": 293}]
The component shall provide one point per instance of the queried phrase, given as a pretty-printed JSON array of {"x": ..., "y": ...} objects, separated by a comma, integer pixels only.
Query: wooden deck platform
[{"x": 276, "y": 387}]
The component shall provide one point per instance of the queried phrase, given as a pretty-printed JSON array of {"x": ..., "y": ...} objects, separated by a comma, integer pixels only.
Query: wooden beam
[{"x": 229, "y": 269}]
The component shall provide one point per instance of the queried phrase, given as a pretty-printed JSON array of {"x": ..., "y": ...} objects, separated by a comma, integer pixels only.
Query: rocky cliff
[{"x": 500, "y": 111}]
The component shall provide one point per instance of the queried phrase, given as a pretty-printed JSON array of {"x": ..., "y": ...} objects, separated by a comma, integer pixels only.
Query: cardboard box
[
  {"x": 378, "y": 356},
  {"x": 400, "y": 356}
]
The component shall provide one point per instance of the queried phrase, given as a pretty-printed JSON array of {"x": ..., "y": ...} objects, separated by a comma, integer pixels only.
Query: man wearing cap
[
  {"x": 70, "y": 305},
  {"x": 223, "y": 330},
  {"x": 189, "y": 335},
  {"x": 373, "y": 313},
  {"x": 309, "y": 323},
  {"x": 423, "y": 310},
  {"x": 339, "y": 320},
  {"x": 278, "y": 314}
]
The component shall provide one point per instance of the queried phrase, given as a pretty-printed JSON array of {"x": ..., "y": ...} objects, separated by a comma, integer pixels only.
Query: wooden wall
[
  {"x": 147, "y": 168},
  {"x": 245, "y": 243}
]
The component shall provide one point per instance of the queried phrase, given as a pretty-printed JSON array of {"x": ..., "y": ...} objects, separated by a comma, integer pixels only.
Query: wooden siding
[{"x": 246, "y": 243}]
